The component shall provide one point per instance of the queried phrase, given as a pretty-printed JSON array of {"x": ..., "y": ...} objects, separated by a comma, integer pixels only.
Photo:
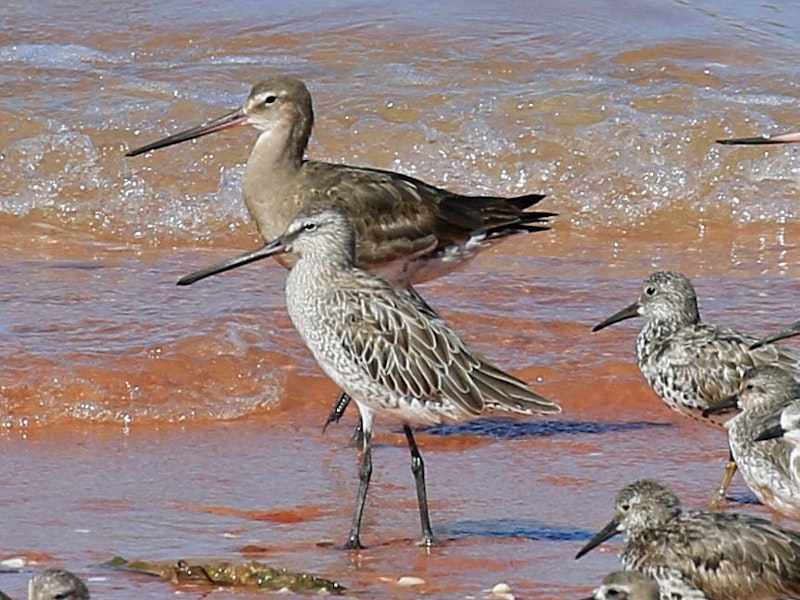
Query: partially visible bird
[
  {"x": 785, "y": 333},
  {"x": 784, "y": 138},
  {"x": 768, "y": 467},
  {"x": 787, "y": 428},
  {"x": 57, "y": 584},
  {"x": 689, "y": 363},
  {"x": 632, "y": 585},
  {"x": 723, "y": 555}
]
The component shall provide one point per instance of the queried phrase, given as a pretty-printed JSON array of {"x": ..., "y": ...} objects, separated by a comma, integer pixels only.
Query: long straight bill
[
  {"x": 784, "y": 138},
  {"x": 275, "y": 247},
  {"x": 232, "y": 119}
]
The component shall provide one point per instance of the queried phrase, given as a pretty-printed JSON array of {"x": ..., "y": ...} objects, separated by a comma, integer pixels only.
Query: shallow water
[{"x": 159, "y": 422}]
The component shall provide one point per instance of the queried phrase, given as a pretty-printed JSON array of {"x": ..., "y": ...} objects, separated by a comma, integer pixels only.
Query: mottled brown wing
[
  {"x": 404, "y": 346},
  {"x": 405, "y": 349},
  {"x": 712, "y": 360},
  {"x": 396, "y": 216},
  {"x": 718, "y": 553}
]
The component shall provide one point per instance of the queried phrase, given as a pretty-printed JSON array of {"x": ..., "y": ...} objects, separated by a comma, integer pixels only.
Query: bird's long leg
[
  {"x": 336, "y": 413},
  {"x": 364, "y": 474},
  {"x": 418, "y": 469},
  {"x": 730, "y": 471}
]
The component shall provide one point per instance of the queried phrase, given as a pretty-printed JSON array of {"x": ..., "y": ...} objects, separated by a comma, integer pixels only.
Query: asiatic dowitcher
[{"x": 384, "y": 347}]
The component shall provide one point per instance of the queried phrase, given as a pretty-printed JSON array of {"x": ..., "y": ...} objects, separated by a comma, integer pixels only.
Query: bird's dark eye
[
  {"x": 649, "y": 290},
  {"x": 309, "y": 227},
  {"x": 612, "y": 593},
  {"x": 625, "y": 507},
  {"x": 270, "y": 99}
]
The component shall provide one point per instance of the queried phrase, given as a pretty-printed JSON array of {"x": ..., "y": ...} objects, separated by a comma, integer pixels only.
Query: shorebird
[
  {"x": 626, "y": 585},
  {"x": 57, "y": 584},
  {"x": 632, "y": 585},
  {"x": 723, "y": 555},
  {"x": 406, "y": 230},
  {"x": 784, "y": 138},
  {"x": 787, "y": 431},
  {"x": 767, "y": 466},
  {"x": 788, "y": 428},
  {"x": 384, "y": 347},
  {"x": 689, "y": 363}
]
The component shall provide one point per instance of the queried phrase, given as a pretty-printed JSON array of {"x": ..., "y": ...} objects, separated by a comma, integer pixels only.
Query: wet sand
[{"x": 150, "y": 421}]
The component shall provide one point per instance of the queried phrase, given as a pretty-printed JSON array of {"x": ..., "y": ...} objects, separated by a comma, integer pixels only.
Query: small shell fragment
[
  {"x": 13, "y": 563},
  {"x": 502, "y": 591}
]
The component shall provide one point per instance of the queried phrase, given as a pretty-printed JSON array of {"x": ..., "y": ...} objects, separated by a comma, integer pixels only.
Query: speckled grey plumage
[
  {"x": 689, "y": 363},
  {"x": 57, "y": 584},
  {"x": 384, "y": 347},
  {"x": 768, "y": 466},
  {"x": 632, "y": 585},
  {"x": 726, "y": 556}
]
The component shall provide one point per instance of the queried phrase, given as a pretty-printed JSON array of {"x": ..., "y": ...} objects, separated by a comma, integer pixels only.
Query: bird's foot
[
  {"x": 353, "y": 543},
  {"x": 358, "y": 434},
  {"x": 718, "y": 500},
  {"x": 429, "y": 541}
]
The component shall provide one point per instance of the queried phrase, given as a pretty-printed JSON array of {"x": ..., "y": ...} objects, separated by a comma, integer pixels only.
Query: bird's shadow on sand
[
  {"x": 512, "y": 528},
  {"x": 503, "y": 428},
  {"x": 510, "y": 428},
  {"x": 745, "y": 497}
]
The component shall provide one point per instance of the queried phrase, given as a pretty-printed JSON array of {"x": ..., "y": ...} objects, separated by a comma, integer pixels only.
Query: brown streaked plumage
[
  {"x": 724, "y": 555},
  {"x": 784, "y": 138},
  {"x": 384, "y": 347},
  {"x": 768, "y": 466}
]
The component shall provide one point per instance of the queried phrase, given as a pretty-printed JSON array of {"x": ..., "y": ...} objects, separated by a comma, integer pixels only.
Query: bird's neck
[
  {"x": 278, "y": 152},
  {"x": 327, "y": 261},
  {"x": 660, "y": 327},
  {"x": 270, "y": 180},
  {"x": 313, "y": 278}
]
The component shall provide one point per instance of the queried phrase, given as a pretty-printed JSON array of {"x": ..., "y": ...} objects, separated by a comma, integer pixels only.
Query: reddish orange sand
[{"x": 150, "y": 421}]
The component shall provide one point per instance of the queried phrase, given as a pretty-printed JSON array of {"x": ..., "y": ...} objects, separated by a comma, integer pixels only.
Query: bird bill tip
[
  {"x": 784, "y": 138},
  {"x": 628, "y": 312},
  {"x": 275, "y": 247},
  {"x": 609, "y": 531},
  {"x": 227, "y": 121}
]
